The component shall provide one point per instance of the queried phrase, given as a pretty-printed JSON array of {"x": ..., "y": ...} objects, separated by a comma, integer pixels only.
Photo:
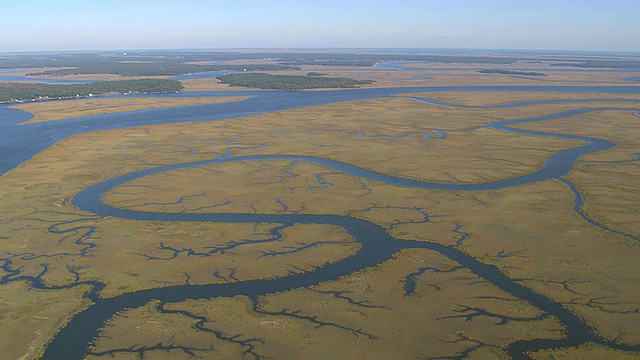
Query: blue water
[{"x": 202, "y": 75}]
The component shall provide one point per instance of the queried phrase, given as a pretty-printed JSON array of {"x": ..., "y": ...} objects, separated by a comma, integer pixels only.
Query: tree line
[
  {"x": 11, "y": 92},
  {"x": 511, "y": 72}
]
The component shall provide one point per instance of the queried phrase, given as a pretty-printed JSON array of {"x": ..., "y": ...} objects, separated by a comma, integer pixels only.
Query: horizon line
[{"x": 345, "y": 48}]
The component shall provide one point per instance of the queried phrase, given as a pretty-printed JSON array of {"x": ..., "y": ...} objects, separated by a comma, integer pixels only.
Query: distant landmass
[{"x": 157, "y": 68}]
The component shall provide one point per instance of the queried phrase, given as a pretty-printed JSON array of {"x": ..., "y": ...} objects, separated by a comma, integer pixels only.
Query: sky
[{"x": 50, "y": 25}]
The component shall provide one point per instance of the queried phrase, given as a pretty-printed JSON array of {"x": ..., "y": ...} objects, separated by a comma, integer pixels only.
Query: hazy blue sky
[{"x": 27, "y": 25}]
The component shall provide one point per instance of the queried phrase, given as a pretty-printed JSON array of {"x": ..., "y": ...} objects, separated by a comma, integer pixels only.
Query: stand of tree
[
  {"x": 511, "y": 72},
  {"x": 289, "y": 82},
  {"x": 315, "y": 73},
  {"x": 10, "y": 92}
]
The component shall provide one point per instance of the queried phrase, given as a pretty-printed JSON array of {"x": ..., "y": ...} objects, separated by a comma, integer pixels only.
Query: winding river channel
[{"x": 21, "y": 142}]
